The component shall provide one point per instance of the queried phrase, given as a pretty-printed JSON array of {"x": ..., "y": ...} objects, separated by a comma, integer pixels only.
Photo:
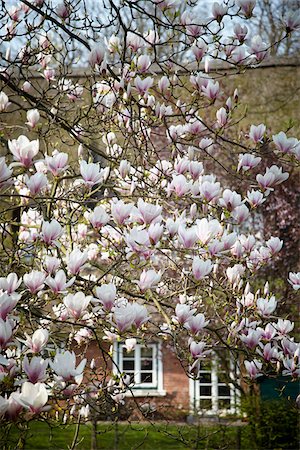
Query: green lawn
[{"x": 41, "y": 436}]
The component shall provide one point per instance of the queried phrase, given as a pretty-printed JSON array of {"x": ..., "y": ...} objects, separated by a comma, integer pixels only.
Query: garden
[{"x": 149, "y": 215}]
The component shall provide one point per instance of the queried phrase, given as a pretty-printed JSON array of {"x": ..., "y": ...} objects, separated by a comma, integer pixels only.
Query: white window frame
[
  {"x": 153, "y": 388},
  {"x": 195, "y": 397}
]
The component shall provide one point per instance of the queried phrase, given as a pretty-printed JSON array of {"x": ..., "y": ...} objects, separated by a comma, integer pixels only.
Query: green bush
[{"x": 273, "y": 424}]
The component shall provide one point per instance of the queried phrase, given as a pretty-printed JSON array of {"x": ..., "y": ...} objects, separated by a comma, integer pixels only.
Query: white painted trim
[
  {"x": 195, "y": 398},
  {"x": 153, "y": 389}
]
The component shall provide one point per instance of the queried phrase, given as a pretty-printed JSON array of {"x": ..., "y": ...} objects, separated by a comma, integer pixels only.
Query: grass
[{"x": 42, "y": 436}]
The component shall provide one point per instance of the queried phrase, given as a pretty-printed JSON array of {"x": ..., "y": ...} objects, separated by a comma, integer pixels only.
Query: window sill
[{"x": 146, "y": 392}]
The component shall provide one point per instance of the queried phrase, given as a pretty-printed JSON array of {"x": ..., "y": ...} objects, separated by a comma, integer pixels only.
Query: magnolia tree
[{"x": 131, "y": 203}]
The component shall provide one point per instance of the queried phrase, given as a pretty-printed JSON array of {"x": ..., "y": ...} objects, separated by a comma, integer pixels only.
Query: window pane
[
  {"x": 224, "y": 404},
  {"x": 205, "y": 404},
  {"x": 224, "y": 391},
  {"x": 128, "y": 364},
  {"x": 205, "y": 390},
  {"x": 146, "y": 377},
  {"x": 146, "y": 364},
  {"x": 205, "y": 378},
  {"x": 146, "y": 352}
]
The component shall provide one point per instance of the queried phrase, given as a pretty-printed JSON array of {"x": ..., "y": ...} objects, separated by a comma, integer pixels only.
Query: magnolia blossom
[
  {"x": 201, "y": 268},
  {"x": 292, "y": 368},
  {"x": 4, "y": 102},
  {"x": 97, "y": 55},
  {"x": 269, "y": 353},
  {"x": 197, "y": 349},
  {"x": 257, "y": 132},
  {"x": 34, "y": 281},
  {"x": 247, "y": 6},
  {"x": 36, "y": 183},
  {"x": 149, "y": 279},
  {"x": 183, "y": 313},
  {"x": 148, "y": 212},
  {"x": 91, "y": 173},
  {"x": 76, "y": 260},
  {"x": 187, "y": 236},
  {"x": 130, "y": 344},
  {"x": 292, "y": 21},
  {"x": 64, "y": 365},
  {"x": 5, "y": 173},
  {"x": 155, "y": 232},
  {"x": 294, "y": 280},
  {"x": 218, "y": 11},
  {"x": 210, "y": 190},
  {"x": 179, "y": 185},
  {"x": 33, "y": 116},
  {"x": 195, "y": 324},
  {"x": 274, "y": 244},
  {"x": 56, "y": 163},
  {"x": 140, "y": 314},
  {"x": 35, "y": 369},
  {"x": 37, "y": 341},
  {"x": 77, "y": 304},
  {"x": 255, "y": 198},
  {"x": 253, "y": 368},
  {"x": 51, "y": 264},
  {"x": 283, "y": 143},
  {"x": 211, "y": 90},
  {"x": 11, "y": 283},
  {"x": 252, "y": 338},
  {"x": 7, "y": 303},
  {"x": 247, "y": 161},
  {"x": 230, "y": 200},
  {"x": 121, "y": 211},
  {"x": 107, "y": 294},
  {"x": 127, "y": 315},
  {"x": 143, "y": 85},
  {"x": 143, "y": 63},
  {"x": 234, "y": 273},
  {"x": 207, "y": 229},
  {"x": 266, "y": 306},
  {"x": 24, "y": 150},
  {"x": 98, "y": 218},
  {"x": 51, "y": 231},
  {"x": 6, "y": 331},
  {"x": 283, "y": 327},
  {"x": 34, "y": 397},
  {"x": 59, "y": 283}
]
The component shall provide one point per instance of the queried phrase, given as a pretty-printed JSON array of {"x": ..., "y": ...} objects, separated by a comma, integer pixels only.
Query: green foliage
[{"x": 273, "y": 424}]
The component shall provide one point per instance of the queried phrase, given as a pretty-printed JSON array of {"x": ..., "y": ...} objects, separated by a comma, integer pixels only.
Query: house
[{"x": 158, "y": 381}]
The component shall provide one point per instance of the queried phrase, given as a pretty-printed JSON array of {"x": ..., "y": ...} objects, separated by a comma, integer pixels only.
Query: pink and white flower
[
  {"x": 107, "y": 295},
  {"x": 149, "y": 279},
  {"x": 33, "y": 116},
  {"x": 51, "y": 231},
  {"x": 59, "y": 284},
  {"x": 77, "y": 304},
  {"x": 33, "y": 397},
  {"x": 34, "y": 281},
  {"x": 201, "y": 268},
  {"x": 76, "y": 260},
  {"x": 24, "y": 150},
  {"x": 35, "y": 369},
  {"x": 37, "y": 341}
]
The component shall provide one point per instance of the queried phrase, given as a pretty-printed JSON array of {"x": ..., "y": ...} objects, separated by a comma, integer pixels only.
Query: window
[
  {"x": 210, "y": 393},
  {"x": 143, "y": 365}
]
